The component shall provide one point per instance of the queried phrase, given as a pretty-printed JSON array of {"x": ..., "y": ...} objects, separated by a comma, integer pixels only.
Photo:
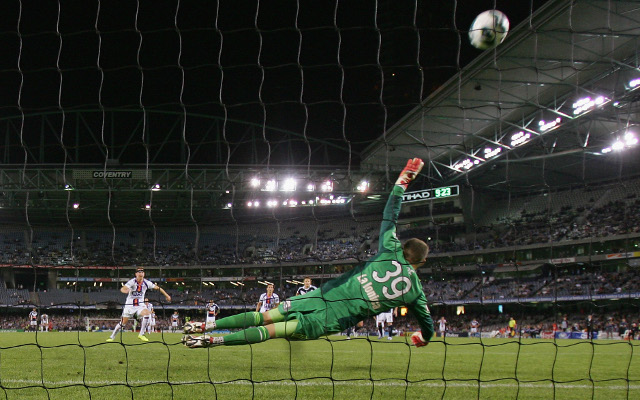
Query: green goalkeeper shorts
[{"x": 313, "y": 313}]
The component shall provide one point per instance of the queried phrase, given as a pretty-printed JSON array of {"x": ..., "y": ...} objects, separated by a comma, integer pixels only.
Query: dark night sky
[{"x": 330, "y": 71}]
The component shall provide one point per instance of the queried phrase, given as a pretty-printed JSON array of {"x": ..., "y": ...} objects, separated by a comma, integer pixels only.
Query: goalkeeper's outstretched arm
[
  {"x": 421, "y": 311},
  {"x": 388, "y": 239}
]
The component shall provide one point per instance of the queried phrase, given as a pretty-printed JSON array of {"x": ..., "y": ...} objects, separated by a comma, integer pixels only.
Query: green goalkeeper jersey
[{"x": 385, "y": 281}]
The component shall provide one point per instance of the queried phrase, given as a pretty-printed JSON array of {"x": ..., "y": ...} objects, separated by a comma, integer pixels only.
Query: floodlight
[
  {"x": 255, "y": 182},
  {"x": 630, "y": 139},
  {"x": 519, "y": 138},
  {"x": 490, "y": 153},
  {"x": 617, "y": 145},
  {"x": 549, "y": 125},
  {"x": 270, "y": 186},
  {"x": 289, "y": 185},
  {"x": 327, "y": 186}
]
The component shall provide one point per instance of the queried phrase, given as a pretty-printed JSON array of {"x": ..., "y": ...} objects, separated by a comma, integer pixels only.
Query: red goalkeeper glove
[
  {"x": 410, "y": 172},
  {"x": 418, "y": 340}
]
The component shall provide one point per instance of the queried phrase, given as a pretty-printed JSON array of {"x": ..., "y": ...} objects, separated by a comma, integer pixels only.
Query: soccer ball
[{"x": 488, "y": 29}]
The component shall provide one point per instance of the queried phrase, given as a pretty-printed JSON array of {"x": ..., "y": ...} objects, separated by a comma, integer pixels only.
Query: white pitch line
[{"x": 325, "y": 382}]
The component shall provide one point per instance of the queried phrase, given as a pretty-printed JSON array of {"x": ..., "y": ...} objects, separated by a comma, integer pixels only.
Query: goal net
[{"x": 226, "y": 146}]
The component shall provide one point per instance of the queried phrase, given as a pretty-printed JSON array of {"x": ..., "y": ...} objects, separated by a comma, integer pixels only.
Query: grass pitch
[{"x": 82, "y": 366}]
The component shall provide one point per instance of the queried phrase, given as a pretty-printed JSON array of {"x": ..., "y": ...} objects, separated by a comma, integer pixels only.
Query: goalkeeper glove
[
  {"x": 201, "y": 341},
  {"x": 193, "y": 327},
  {"x": 418, "y": 340},
  {"x": 409, "y": 172}
]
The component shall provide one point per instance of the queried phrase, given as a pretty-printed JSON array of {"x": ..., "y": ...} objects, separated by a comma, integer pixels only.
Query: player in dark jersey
[
  {"x": 387, "y": 280},
  {"x": 308, "y": 287}
]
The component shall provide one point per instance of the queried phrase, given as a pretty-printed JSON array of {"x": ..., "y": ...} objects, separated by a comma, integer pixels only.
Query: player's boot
[
  {"x": 143, "y": 338},
  {"x": 201, "y": 341},
  {"x": 110, "y": 339},
  {"x": 198, "y": 327},
  {"x": 193, "y": 327}
]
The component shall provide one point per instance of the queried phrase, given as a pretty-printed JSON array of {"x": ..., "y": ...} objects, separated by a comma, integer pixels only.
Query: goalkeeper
[{"x": 386, "y": 281}]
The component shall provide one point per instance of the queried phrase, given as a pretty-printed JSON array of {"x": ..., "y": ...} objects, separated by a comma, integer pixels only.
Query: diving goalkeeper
[{"x": 386, "y": 281}]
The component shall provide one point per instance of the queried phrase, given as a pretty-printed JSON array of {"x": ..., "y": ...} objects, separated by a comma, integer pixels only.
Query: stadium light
[
  {"x": 311, "y": 187},
  {"x": 617, "y": 145},
  {"x": 630, "y": 139},
  {"x": 546, "y": 126},
  {"x": 68, "y": 187},
  {"x": 147, "y": 206},
  {"x": 520, "y": 138},
  {"x": 293, "y": 203},
  {"x": 464, "y": 164},
  {"x": 289, "y": 185},
  {"x": 587, "y": 104},
  {"x": 327, "y": 186},
  {"x": 490, "y": 153},
  {"x": 229, "y": 205},
  {"x": 255, "y": 182},
  {"x": 270, "y": 186},
  {"x": 76, "y": 206},
  {"x": 272, "y": 203},
  {"x": 634, "y": 83},
  {"x": 155, "y": 187},
  {"x": 363, "y": 186}
]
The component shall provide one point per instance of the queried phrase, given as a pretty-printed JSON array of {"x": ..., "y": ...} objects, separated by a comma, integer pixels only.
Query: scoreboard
[{"x": 431, "y": 194}]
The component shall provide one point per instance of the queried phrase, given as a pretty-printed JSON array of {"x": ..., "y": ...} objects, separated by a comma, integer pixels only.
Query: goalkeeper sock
[
  {"x": 241, "y": 320},
  {"x": 247, "y": 336}
]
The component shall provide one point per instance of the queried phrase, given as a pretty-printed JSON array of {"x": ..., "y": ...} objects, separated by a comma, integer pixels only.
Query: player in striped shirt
[
  {"x": 212, "y": 311},
  {"x": 152, "y": 322},
  {"x": 175, "y": 319},
  {"x": 387, "y": 280},
  {"x": 268, "y": 300},
  {"x": 146, "y": 320},
  {"x": 33, "y": 320},
  {"x": 134, "y": 307},
  {"x": 308, "y": 287}
]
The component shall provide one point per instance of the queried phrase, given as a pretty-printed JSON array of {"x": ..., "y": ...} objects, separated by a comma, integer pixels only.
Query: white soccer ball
[{"x": 488, "y": 29}]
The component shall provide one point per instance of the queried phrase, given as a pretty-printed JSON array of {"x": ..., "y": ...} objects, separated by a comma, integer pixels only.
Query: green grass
[{"x": 83, "y": 366}]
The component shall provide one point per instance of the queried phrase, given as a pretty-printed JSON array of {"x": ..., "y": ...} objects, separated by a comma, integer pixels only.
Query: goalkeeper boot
[
  {"x": 201, "y": 341},
  {"x": 193, "y": 327}
]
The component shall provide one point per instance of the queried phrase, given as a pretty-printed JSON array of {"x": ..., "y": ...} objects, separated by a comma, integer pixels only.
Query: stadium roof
[{"x": 571, "y": 65}]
